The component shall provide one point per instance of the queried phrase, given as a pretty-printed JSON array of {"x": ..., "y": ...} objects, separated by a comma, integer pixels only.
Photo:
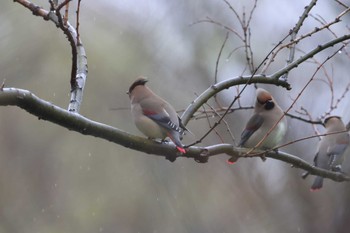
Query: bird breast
[{"x": 146, "y": 125}]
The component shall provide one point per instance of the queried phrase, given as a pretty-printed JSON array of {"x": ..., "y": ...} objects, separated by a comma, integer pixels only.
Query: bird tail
[
  {"x": 175, "y": 137},
  {"x": 232, "y": 160},
  {"x": 318, "y": 183}
]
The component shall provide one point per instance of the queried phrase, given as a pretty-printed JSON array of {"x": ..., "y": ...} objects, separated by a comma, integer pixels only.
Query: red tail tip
[
  {"x": 230, "y": 162},
  {"x": 315, "y": 189},
  {"x": 182, "y": 150}
]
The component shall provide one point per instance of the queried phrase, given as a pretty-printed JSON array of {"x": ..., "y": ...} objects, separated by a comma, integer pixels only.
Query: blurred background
[{"x": 55, "y": 180}]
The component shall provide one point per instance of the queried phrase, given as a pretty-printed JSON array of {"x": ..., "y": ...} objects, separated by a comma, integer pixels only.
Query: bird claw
[
  {"x": 337, "y": 169},
  {"x": 304, "y": 175},
  {"x": 263, "y": 157}
]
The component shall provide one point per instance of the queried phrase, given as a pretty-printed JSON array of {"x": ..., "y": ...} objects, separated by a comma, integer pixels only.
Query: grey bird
[{"x": 330, "y": 151}]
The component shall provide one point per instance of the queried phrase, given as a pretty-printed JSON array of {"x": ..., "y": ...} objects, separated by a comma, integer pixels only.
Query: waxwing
[
  {"x": 331, "y": 148},
  {"x": 266, "y": 115},
  {"x": 153, "y": 116}
]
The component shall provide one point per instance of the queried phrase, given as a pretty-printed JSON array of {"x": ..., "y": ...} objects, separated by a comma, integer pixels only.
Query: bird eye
[{"x": 269, "y": 105}]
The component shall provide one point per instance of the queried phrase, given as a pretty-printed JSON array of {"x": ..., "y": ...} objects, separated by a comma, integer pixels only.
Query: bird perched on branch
[
  {"x": 331, "y": 148},
  {"x": 267, "y": 115},
  {"x": 153, "y": 116}
]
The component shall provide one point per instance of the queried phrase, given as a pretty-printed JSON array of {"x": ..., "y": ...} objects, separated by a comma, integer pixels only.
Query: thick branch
[
  {"x": 75, "y": 122},
  {"x": 47, "y": 111}
]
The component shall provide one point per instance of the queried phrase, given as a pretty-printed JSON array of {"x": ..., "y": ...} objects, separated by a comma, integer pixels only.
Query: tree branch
[
  {"x": 79, "y": 60},
  {"x": 47, "y": 111},
  {"x": 214, "y": 89},
  {"x": 271, "y": 79},
  {"x": 310, "y": 54},
  {"x": 295, "y": 31}
]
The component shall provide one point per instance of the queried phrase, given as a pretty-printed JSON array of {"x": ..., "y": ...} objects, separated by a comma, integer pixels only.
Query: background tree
[{"x": 60, "y": 180}]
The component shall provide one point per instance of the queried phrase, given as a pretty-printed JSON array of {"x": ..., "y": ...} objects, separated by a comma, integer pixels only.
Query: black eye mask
[{"x": 269, "y": 105}]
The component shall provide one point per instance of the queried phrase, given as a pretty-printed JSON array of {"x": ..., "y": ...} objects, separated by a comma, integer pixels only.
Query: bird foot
[
  {"x": 337, "y": 168},
  {"x": 263, "y": 157},
  {"x": 304, "y": 175}
]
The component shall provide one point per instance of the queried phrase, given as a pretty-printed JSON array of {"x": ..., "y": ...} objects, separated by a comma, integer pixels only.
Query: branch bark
[
  {"x": 72, "y": 121},
  {"x": 79, "y": 60},
  {"x": 214, "y": 89}
]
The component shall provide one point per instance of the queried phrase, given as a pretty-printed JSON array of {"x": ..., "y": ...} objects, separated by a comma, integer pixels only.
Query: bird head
[
  {"x": 264, "y": 99},
  {"x": 140, "y": 81},
  {"x": 330, "y": 120}
]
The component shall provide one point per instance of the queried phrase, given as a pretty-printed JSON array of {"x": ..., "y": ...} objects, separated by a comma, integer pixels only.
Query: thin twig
[
  {"x": 2, "y": 85},
  {"x": 225, "y": 122},
  {"x": 337, "y": 102},
  {"x": 297, "y": 40},
  {"x": 209, "y": 124},
  {"x": 341, "y": 3},
  {"x": 306, "y": 112},
  {"x": 65, "y": 2},
  {"x": 306, "y": 138},
  {"x": 217, "y": 66},
  {"x": 78, "y": 23},
  {"x": 65, "y": 17},
  {"x": 295, "y": 31},
  {"x": 216, "y": 113},
  {"x": 210, "y": 20}
]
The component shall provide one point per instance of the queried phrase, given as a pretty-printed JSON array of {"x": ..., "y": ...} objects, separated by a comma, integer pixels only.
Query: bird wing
[
  {"x": 160, "y": 112},
  {"x": 339, "y": 147},
  {"x": 163, "y": 120},
  {"x": 253, "y": 124}
]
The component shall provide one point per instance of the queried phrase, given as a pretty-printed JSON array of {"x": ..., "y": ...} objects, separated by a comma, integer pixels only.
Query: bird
[
  {"x": 154, "y": 116},
  {"x": 330, "y": 150},
  {"x": 266, "y": 115}
]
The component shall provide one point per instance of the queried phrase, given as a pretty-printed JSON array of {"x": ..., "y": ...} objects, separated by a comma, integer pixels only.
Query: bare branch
[
  {"x": 64, "y": 3},
  {"x": 341, "y": 3},
  {"x": 79, "y": 60},
  {"x": 245, "y": 25},
  {"x": 210, "y": 20},
  {"x": 217, "y": 64},
  {"x": 78, "y": 22},
  {"x": 46, "y": 111},
  {"x": 216, "y": 132},
  {"x": 310, "y": 54},
  {"x": 297, "y": 40},
  {"x": 335, "y": 105},
  {"x": 295, "y": 31}
]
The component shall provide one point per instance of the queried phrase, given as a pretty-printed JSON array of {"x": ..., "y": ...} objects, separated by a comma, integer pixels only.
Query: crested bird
[{"x": 154, "y": 116}]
